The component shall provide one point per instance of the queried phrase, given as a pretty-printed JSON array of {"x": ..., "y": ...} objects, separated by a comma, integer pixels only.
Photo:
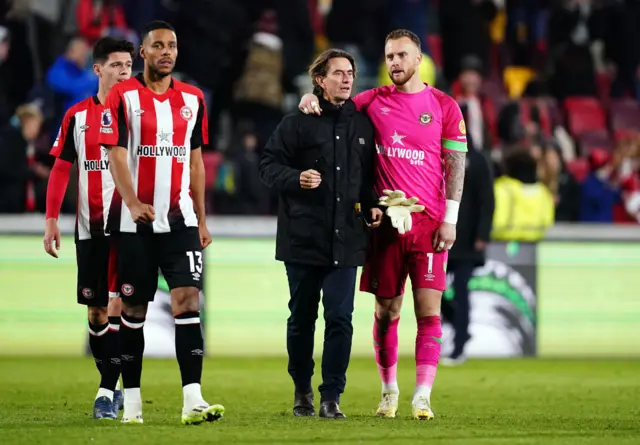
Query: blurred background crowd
[{"x": 556, "y": 80}]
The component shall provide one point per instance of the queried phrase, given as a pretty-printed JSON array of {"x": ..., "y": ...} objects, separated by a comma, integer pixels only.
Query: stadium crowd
[{"x": 557, "y": 79}]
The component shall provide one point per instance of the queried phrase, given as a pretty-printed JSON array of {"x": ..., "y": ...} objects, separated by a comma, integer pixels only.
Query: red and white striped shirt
[
  {"x": 78, "y": 141},
  {"x": 159, "y": 131}
]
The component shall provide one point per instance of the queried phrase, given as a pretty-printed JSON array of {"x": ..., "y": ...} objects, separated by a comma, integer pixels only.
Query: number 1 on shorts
[{"x": 430, "y": 264}]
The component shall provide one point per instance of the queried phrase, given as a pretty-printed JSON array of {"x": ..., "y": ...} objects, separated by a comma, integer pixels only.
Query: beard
[
  {"x": 407, "y": 74},
  {"x": 156, "y": 73}
]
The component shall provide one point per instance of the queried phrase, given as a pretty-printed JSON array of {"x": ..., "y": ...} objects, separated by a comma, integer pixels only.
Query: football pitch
[{"x": 49, "y": 401}]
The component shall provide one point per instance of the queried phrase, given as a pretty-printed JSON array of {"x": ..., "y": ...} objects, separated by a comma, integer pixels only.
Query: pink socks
[
  {"x": 386, "y": 346},
  {"x": 428, "y": 344}
]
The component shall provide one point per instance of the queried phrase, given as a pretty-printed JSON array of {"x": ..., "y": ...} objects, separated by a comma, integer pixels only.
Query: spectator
[
  {"x": 573, "y": 28},
  {"x": 464, "y": 28},
  {"x": 524, "y": 207},
  {"x": 99, "y": 18},
  {"x": 258, "y": 93},
  {"x": 25, "y": 164},
  {"x": 552, "y": 171},
  {"x": 467, "y": 93},
  {"x": 599, "y": 194},
  {"x": 69, "y": 78},
  {"x": 622, "y": 47}
]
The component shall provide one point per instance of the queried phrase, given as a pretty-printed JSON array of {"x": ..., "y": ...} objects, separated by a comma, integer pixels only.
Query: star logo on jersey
[
  {"x": 164, "y": 137},
  {"x": 426, "y": 118},
  {"x": 397, "y": 138}
]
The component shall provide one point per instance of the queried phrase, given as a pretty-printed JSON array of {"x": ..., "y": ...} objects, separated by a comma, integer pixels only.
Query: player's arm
[
  {"x": 276, "y": 165},
  {"x": 309, "y": 102},
  {"x": 454, "y": 151},
  {"x": 65, "y": 152},
  {"x": 199, "y": 138},
  {"x": 114, "y": 133}
]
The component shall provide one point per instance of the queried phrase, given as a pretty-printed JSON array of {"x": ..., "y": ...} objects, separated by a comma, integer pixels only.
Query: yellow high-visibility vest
[{"x": 523, "y": 212}]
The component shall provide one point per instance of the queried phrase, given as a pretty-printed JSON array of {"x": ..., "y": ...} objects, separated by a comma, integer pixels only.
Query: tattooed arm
[{"x": 454, "y": 166}]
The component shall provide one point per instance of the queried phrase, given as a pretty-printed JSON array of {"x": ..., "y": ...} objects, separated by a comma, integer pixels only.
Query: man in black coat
[
  {"x": 473, "y": 234},
  {"x": 322, "y": 169}
]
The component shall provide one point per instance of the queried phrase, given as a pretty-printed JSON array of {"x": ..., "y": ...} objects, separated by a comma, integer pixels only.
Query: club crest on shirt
[
  {"x": 107, "y": 120},
  {"x": 186, "y": 113},
  {"x": 426, "y": 118},
  {"x": 462, "y": 127}
]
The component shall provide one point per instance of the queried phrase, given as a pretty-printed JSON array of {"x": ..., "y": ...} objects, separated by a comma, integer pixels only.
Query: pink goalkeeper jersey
[{"x": 413, "y": 131}]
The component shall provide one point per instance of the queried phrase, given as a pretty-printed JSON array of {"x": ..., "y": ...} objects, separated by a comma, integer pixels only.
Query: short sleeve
[
  {"x": 364, "y": 99},
  {"x": 200, "y": 134},
  {"x": 454, "y": 130},
  {"x": 114, "y": 130},
  {"x": 64, "y": 146}
]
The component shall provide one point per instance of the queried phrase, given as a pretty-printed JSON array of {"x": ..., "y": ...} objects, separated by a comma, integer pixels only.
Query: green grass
[{"x": 48, "y": 401}]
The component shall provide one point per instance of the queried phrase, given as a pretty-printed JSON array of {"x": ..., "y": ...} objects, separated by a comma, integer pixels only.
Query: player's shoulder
[
  {"x": 185, "y": 87},
  {"x": 83, "y": 105},
  {"x": 445, "y": 99},
  {"x": 130, "y": 84}
]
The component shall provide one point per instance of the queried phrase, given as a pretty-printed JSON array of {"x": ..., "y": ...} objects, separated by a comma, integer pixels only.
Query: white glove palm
[{"x": 399, "y": 209}]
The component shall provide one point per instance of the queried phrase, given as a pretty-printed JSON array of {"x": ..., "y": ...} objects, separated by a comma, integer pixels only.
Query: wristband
[{"x": 451, "y": 212}]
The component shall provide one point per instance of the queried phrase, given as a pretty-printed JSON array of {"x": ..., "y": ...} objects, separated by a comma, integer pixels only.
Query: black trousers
[
  {"x": 457, "y": 311},
  {"x": 338, "y": 289}
]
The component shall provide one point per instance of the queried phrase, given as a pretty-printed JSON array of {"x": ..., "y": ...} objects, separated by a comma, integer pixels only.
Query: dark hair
[
  {"x": 520, "y": 164},
  {"x": 109, "y": 45},
  {"x": 156, "y": 24},
  {"x": 320, "y": 66},
  {"x": 400, "y": 33}
]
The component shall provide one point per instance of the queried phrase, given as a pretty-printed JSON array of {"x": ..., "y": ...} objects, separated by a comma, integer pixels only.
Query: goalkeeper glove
[{"x": 399, "y": 209}]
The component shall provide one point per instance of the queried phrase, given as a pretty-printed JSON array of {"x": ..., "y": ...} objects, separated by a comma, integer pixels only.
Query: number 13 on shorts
[{"x": 195, "y": 262}]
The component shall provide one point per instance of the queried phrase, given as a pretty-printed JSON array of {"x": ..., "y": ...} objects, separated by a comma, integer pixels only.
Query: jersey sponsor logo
[
  {"x": 426, "y": 118},
  {"x": 415, "y": 157},
  {"x": 462, "y": 127},
  {"x": 186, "y": 113},
  {"x": 95, "y": 165},
  {"x": 155, "y": 151}
]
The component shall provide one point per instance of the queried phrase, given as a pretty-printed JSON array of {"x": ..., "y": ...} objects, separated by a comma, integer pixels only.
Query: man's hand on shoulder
[{"x": 309, "y": 104}]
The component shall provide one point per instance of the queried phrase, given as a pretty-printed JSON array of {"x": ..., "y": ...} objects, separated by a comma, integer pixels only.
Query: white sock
[
  {"x": 104, "y": 393},
  {"x": 118, "y": 385},
  {"x": 192, "y": 395},
  {"x": 422, "y": 391},
  {"x": 132, "y": 402},
  {"x": 391, "y": 387}
]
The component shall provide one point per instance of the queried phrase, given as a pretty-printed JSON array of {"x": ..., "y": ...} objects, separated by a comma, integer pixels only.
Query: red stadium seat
[
  {"x": 578, "y": 168},
  {"x": 589, "y": 140},
  {"x": 584, "y": 114},
  {"x": 625, "y": 115}
]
